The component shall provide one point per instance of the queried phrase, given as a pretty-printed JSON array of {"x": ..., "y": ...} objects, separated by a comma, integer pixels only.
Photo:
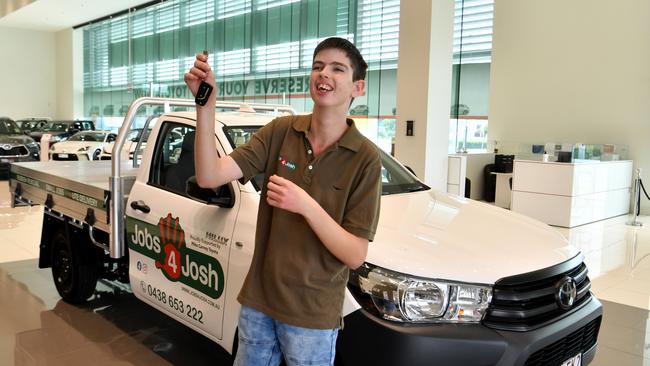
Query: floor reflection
[{"x": 114, "y": 328}]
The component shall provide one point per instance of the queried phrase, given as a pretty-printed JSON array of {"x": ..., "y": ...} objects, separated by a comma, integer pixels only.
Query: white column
[
  {"x": 424, "y": 87},
  {"x": 78, "y": 73},
  {"x": 69, "y": 75}
]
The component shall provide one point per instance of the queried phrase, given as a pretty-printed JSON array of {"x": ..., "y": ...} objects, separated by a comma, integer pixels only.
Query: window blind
[
  {"x": 473, "y": 20},
  {"x": 142, "y": 24},
  {"x": 234, "y": 62},
  {"x": 283, "y": 56},
  {"x": 378, "y": 32},
  {"x": 199, "y": 12},
  {"x": 231, "y": 8},
  {"x": 168, "y": 16},
  {"x": 267, "y": 4}
]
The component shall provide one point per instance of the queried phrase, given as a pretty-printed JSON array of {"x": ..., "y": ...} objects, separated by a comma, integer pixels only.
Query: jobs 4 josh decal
[{"x": 165, "y": 244}]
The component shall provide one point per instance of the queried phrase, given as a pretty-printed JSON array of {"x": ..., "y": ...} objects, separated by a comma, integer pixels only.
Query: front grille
[
  {"x": 69, "y": 157},
  {"x": 579, "y": 341},
  {"x": 104, "y": 157},
  {"x": 532, "y": 304},
  {"x": 14, "y": 151}
]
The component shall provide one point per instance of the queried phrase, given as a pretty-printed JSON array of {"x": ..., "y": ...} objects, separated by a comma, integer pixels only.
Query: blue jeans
[{"x": 263, "y": 341}]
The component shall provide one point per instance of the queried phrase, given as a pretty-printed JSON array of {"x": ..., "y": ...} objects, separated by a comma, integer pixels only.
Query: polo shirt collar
[{"x": 350, "y": 140}]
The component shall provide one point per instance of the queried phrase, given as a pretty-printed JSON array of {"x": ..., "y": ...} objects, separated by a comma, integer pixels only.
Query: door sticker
[{"x": 165, "y": 244}]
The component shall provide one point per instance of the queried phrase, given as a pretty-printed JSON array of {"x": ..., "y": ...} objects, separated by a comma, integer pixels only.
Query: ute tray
[{"x": 74, "y": 186}]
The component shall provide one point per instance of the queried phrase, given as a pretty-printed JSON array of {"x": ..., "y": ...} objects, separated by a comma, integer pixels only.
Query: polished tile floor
[{"x": 37, "y": 328}]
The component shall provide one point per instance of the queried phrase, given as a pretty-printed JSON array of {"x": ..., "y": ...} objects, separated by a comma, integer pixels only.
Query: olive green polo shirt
[{"x": 293, "y": 277}]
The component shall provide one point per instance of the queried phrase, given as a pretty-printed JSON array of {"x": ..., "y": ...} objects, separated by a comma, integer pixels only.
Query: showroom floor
[{"x": 37, "y": 328}]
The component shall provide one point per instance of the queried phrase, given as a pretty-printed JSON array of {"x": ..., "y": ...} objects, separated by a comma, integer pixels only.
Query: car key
[{"x": 204, "y": 91}]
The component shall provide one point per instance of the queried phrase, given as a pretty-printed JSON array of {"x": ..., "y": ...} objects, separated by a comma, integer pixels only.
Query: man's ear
[{"x": 359, "y": 88}]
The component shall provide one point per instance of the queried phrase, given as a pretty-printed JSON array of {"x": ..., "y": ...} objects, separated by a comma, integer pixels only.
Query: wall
[
  {"x": 27, "y": 73},
  {"x": 573, "y": 71}
]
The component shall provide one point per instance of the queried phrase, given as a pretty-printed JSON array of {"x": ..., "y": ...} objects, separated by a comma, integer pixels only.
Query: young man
[{"x": 318, "y": 210}]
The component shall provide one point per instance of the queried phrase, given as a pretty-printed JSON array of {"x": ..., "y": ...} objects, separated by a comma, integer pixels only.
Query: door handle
[{"x": 140, "y": 206}]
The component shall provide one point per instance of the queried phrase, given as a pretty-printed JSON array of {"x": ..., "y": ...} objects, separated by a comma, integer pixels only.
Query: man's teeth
[{"x": 323, "y": 87}]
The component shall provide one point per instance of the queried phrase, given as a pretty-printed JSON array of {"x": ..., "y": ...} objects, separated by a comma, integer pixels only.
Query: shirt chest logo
[{"x": 289, "y": 164}]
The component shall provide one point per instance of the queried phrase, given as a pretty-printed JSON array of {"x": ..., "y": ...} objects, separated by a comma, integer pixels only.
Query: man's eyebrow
[
  {"x": 340, "y": 64},
  {"x": 333, "y": 63}
]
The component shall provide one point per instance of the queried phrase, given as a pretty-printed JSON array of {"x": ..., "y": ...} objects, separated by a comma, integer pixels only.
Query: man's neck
[{"x": 327, "y": 126}]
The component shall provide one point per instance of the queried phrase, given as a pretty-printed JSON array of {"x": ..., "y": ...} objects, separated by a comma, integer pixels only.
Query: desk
[
  {"x": 472, "y": 167},
  {"x": 571, "y": 194},
  {"x": 502, "y": 190}
]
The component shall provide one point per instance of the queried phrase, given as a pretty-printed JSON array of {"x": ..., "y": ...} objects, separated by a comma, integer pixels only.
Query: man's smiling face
[{"x": 331, "y": 83}]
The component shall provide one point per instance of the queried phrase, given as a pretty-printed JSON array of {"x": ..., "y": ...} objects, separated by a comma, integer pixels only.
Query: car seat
[{"x": 176, "y": 175}]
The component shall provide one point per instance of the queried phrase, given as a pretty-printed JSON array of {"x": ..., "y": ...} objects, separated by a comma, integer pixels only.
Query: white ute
[{"x": 447, "y": 281}]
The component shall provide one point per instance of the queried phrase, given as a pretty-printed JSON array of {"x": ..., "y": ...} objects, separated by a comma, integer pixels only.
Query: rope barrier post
[{"x": 636, "y": 201}]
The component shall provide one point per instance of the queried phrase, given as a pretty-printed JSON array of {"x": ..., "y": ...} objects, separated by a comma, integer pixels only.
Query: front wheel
[
  {"x": 96, "y": 154},
  {"x": 75, "y": 276}
]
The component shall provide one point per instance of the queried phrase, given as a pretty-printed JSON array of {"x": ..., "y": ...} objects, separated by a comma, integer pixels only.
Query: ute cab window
[{"x": 173, "y": 162}]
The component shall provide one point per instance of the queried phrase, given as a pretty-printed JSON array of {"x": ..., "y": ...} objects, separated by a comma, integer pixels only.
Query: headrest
[{"x": 188, "y": 142}]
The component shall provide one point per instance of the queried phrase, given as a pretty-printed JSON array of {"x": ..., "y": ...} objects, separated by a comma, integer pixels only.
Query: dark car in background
[
  {"x": 14, "y": 145},
  {"x": 29, "y": 125},
  {"x": 61, "y": 130}
]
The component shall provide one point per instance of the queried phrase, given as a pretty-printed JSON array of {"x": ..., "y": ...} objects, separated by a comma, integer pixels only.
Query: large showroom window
[
  {"x": 468, "y": 125},
  {"x": 262, "y": 49}
]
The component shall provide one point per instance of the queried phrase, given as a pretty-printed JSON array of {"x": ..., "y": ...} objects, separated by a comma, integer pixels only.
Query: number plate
[
  {"x": 4, "y": 160},
  {"x": 573, "y": 361},
  {"x": 63, "y": 156}
]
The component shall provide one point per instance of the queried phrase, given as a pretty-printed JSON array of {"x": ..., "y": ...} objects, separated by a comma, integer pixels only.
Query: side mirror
[{"x": 223, "y": 196}]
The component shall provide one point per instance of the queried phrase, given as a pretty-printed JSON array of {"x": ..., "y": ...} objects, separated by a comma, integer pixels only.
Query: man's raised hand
[{"x": 201, "y": 71}]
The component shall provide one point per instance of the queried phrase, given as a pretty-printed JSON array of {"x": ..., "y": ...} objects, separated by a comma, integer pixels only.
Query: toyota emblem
[
  {"x": 566, "y": 292},
  {"x": 6, "y": 147}
]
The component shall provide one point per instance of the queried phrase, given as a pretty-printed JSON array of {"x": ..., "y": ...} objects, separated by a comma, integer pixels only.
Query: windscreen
[
  {"x": 9, "y": 127},
  {"x": 88, "y": 136},
  {"x": 394, "y": 177},
  {"x": 56, "y": 126}
]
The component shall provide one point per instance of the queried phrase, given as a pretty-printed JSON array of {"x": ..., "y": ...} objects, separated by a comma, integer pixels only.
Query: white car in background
[
  {"x": 130, "y": 144},
  {"x": 84, "y": 145}
]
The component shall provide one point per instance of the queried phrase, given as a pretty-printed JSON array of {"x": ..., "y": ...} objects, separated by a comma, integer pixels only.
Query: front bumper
[
  {"x": 69, "y": 156},
  {"x": 5, "y": 161},
  {"x": 367, "y": 340}
]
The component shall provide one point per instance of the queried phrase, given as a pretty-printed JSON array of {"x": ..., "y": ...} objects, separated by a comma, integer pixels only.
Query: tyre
[
  {"x": 96, "y": 154},
  {"x": 75, "y": 274}
]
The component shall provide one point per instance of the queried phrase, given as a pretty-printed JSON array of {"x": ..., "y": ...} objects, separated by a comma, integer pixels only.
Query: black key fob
[{"x": 203, "y": 93}]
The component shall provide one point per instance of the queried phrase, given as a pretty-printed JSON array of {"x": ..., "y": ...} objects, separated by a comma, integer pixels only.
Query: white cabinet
[
  {"x": 456, "y": 174},
  {"x": 571, "y": 194}
]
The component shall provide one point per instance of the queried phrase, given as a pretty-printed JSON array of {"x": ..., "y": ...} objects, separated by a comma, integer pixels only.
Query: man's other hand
[{"x": 283, "y": 193}]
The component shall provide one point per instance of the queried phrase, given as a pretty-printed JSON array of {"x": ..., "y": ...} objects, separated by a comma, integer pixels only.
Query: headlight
[
  {"x": 83, "y": 149},
  {"x": 404, "y": 298},
  {"x": 56, "y": 138}
]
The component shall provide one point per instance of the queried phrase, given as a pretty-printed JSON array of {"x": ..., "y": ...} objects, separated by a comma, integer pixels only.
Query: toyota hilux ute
[{"x": 447, "y": 280}]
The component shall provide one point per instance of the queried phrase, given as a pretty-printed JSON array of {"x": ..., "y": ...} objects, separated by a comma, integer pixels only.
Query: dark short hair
[{"x": 359, "y": 65}]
